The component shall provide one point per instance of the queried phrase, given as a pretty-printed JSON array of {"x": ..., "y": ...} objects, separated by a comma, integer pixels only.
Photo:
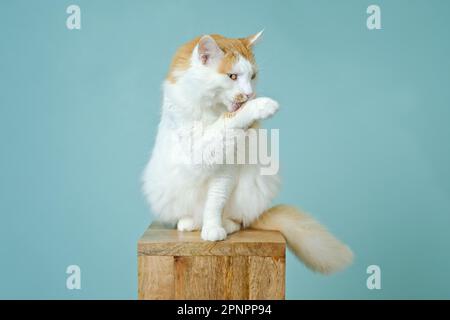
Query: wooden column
[{"x": 249, "y": 264}]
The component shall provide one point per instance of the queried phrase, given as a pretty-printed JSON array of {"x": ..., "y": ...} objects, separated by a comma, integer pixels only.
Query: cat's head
[{"x": 223, "y": 69}]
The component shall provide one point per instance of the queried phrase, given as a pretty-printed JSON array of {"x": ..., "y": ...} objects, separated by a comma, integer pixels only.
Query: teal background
[{"x": 364, "y": 130}]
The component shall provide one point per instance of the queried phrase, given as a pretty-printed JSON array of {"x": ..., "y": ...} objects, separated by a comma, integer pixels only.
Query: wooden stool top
[{"x": 161, "y": 240}]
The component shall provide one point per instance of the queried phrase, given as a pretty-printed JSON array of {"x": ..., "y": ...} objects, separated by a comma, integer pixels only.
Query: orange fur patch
[
  {"x": 229, "y": 114},
  {"x": 231, "y": 47}
]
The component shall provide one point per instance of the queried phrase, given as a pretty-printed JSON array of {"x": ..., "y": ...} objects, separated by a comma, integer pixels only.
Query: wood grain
[
  {"x": 267, "y": 278},
  {"x": 180, "y": 265},
  {"x": 156, "y": 277},
  {"x": 163, "y": 241},
  {"x": 211, "y": 277}
]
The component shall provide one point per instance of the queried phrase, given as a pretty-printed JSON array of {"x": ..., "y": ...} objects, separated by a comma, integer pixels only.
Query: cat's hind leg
[
  {"x": 187, "y": 224},
  {"x": 230, "y": 226}
]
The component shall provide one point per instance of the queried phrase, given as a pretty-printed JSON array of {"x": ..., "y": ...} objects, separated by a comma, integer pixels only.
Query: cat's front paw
[
  {"x": 213, "y": 233},
  {"x": 264, "y": 108}
]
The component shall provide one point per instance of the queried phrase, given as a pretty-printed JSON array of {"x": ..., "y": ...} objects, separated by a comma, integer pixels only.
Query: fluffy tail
[{"x": 309, "y": 240}]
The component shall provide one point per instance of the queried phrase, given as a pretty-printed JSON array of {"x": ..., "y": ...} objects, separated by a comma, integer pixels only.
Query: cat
[{"x": 208, "y": 97}]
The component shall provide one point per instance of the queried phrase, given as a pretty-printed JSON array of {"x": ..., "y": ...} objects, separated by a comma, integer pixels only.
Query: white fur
[
  {"x": 207, "y": 196},
  {"x": 219, "y": 198}
]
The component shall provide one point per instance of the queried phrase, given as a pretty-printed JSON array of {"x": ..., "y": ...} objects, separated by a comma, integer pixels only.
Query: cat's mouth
[
  {"x": 236, "y": 106},
  {"x": 239, "y": 101}
]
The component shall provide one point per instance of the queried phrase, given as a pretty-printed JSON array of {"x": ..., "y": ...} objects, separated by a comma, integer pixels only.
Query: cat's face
[
  {"x": 237, "y": 83},
  {"x": 223, "y": 68}
]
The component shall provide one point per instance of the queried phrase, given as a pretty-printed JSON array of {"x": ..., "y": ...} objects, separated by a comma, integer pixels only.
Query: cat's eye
[
  {"x": 233, "y": 76},
  {"x": 253, "y": 76}
]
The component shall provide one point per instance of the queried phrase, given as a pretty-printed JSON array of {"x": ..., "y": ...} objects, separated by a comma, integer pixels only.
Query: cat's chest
[{"x": 210, "y": 116}]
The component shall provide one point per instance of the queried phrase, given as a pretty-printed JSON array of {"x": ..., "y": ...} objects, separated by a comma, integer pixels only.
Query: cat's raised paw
[
  {"x": 265, "y": 108},
  {"x": 213, "y": 233}
]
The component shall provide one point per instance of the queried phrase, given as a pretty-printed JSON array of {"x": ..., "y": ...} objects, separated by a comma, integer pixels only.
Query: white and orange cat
[{"x": 209, "y": 92}]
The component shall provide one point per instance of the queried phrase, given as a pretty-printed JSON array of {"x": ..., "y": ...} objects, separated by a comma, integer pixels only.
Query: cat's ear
[
  {"x": 208, "y": 50},
  {"x": 254, "y": 38}
]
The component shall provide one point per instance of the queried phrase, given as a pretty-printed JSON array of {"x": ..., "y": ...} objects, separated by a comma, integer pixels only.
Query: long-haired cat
[{"x": 208, "y": 94}]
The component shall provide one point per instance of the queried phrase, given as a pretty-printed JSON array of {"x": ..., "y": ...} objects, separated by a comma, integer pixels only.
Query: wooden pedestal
[{"x": 249, "y": 264}]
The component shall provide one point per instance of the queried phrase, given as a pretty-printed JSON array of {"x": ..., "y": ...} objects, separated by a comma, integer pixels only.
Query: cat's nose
[{"x": 249, "y": 95}]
